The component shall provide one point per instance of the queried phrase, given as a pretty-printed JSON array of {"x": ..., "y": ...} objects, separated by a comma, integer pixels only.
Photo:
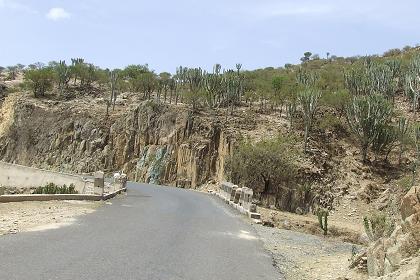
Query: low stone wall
[
  {"x": 13, "y": 175},
  {"x": 238, "y": 198}
]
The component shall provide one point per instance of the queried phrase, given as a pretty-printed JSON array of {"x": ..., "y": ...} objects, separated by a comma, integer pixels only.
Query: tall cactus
[
  {"x": 113, "y": 80},
  {"x": 63, "y": 75},
  {"x": 307, "y": 78},
  {"x": 291, "y": 110},
  {"x": 416, "y": 136},
  {"x": 76, "y": 64},
  {"x": 309, "y": 102},
  {"x": 213, "y": 84},
  {"x": 402, "y": 132},
  {"x": 323, "y": 219},
  {"x": 366, "y": 116},
  {"x": 194, "y": 79},
  {"x": 412, "y": 83}
]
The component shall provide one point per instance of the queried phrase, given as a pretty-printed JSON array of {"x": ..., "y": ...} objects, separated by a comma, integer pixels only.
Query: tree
[
  {"x": 367, "y": 116},
  {"x": 148, "y": 83},
  {"x": 264, "y": 166},
  {"x": 308, "y": 100},
  {"x": 12, "y": 72},
  {"x": 164, "y": 80},
  {"x": 40, "y": 80},
  {"x": 306, "y": 57}
]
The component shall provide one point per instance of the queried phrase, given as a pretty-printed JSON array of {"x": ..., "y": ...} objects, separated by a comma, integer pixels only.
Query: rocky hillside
[
  {"x": 159, "y": 143},
  {"x": 151, "y": 142}
]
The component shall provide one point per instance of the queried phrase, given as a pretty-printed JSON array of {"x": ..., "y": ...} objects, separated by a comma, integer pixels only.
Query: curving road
[{"x": 152, "y": 233}]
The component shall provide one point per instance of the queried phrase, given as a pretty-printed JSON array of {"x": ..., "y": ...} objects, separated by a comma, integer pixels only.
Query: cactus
[
  {"x": 373, "y": 78},
  {"x": 412, "y": 83},
  {"x": 213, "y": 84},
  {"x": 306, "y": 78},
  {"x": 367, "y": 116},
  {"x": 63, "y": 75},
  {"x": 113, "y": 80},
  {"x": 416, "y": 132},
  {"x": 402, "y": 133},
  {"x": 291, "y": 109},
  {"x": 323, "y": 220},
  {"x": 309, "y": 101},
  {"x": 194, "y": 79},
  {"x": 378, "y": 225}
]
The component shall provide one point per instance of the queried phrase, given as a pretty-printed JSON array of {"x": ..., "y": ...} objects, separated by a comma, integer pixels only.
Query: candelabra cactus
[
  {"x": 412, "y": 83},
  {"x": 323, "y": 219},
  {"x": 291, "y": 110},
  {"x": 417, "y": 150},
  {"x": 309, "y": 102},
  {"x": 402, "y": 133},
  {"x": 213, "y": 84},
  {"x": 194, "y": 79},
  {"x": 113, "y": 78},
  {"x": 366, "y": 116},
  {"x": 63, "y": 75},
  {"x": 306, "y": 78}
]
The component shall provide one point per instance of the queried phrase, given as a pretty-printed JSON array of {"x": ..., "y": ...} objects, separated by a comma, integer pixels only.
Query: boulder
[{"x": 410, "y": 203}]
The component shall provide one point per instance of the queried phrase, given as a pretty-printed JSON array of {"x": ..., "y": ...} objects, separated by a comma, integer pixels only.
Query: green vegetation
[
  {"x": 265, "y": 165},
  {"x": 40, "y": 80},
  {"x": 355, "y": 94},
  {"x": 378, "y": 225},
  {"x": 323, "y": 219},
  {"x": 368, "y": 117},
  {"x": 52, "y": 188}
]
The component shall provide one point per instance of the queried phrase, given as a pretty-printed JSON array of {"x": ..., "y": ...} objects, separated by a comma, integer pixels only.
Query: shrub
[
  {"x": 378, "y": 225},
  {"x": 52, "y": 188},
  {"x": 265, "y": 165},
  {"x": 40, "y": 80}
]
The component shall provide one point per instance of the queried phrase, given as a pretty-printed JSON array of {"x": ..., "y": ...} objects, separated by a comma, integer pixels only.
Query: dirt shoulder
[
  {"x": 339, "y": 229},
  {"x": 301, "y": 256},
  {"x": 41, "y": 215}
]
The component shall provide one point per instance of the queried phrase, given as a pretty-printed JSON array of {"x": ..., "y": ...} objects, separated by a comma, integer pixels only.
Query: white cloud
[
  {"x": 57, "y": 14},
  {"x": 16, "y": 6}
]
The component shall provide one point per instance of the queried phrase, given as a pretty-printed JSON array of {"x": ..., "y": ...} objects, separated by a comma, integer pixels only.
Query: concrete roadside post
[{"x": 99, "y": 184}]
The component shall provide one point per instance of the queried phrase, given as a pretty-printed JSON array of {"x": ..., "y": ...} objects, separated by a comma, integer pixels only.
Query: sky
[{"x": 166, "y": 34}]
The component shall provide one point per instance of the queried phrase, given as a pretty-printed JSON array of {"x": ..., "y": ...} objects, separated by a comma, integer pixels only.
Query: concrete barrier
[
  {"x": 49, "y": 197},
  {"x": 238, "y": 198},
  {"x": 88, "y": 188},
  {"x": 14, "y": 175}
]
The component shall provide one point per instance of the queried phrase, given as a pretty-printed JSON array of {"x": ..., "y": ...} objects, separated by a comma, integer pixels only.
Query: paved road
[{"x": 152, "y": 233}]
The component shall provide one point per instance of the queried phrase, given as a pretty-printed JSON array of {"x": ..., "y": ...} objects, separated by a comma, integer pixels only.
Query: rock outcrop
[
  {"x": 149, "y": 142},
  {"x": 398, "y": 256}
]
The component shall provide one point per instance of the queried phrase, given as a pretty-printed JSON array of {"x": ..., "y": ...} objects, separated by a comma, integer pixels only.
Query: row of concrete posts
[{"x": 238, "y": 198}]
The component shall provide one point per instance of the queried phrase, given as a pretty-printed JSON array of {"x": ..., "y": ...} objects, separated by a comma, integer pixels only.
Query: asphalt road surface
[{"x": 151, "y": 233}]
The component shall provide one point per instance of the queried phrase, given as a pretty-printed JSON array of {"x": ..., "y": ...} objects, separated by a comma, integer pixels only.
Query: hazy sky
[{"x": 165, "y": 34}]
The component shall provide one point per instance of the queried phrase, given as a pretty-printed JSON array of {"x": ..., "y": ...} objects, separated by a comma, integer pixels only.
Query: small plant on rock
[
  {"x": 323, "y": 219},
  {"x": 378, "y": 225}
]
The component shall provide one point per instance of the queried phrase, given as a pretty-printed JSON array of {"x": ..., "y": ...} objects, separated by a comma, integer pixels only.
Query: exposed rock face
[
  {"x": 397, "y": 257},
  {"x": 150, "y": 142}
]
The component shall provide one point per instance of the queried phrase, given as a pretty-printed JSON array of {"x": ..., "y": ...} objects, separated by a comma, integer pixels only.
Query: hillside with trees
[{"x": 334, "y": 136}]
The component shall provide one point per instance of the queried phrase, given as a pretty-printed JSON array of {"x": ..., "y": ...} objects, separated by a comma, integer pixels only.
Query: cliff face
[{"x": 151, "y": 143}]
